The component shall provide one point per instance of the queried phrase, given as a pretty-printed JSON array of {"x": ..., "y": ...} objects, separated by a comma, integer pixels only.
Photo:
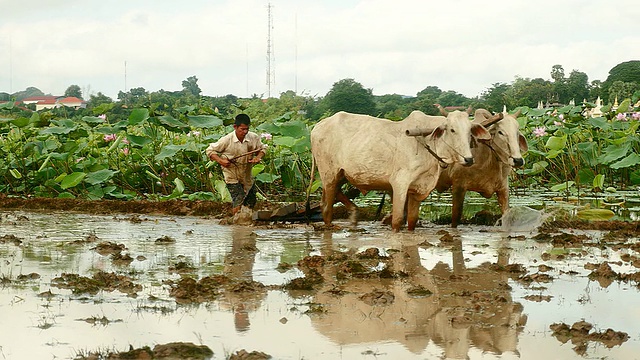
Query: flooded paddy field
[{"x": 75, "y": 285}]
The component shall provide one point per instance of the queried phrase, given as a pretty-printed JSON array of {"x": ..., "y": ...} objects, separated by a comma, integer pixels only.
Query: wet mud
[{"x": 359, "y": 292}]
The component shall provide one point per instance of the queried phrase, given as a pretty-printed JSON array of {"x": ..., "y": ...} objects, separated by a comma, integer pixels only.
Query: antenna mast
[
  {"x": 125, "y": 76},
  {"x": 271, "y": 72}
]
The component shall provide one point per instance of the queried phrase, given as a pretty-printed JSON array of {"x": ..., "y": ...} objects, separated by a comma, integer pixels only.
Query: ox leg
[
  {"x": 328, "y": 198},
  {"x": 503, "y": 200},
  {"x": 351, "y": 207},
  {"x": 413, "y": 212},
  {"x": 458, "y": 194},
  {"x": 398, "y": 207}
]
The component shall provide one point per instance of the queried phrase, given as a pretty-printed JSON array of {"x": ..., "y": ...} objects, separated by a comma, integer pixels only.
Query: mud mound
[{"x": 166, "y": 207}]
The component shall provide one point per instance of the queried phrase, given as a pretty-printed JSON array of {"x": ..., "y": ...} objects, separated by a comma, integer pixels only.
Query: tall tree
[
  {"x": 392, "y": 106},
  {"x": 627, "y": 72},
  {"x": 349, "y": 95},
  {"x": 190, "y": 86},
  {"x": 595, "y": 90},
  {"x": 426, "y": 98},
  {"x": 135, "y": 96},
  {"x": 557, "y": 73},
  {"x": 452, "y": 98},
  {"x": 560, "y": 90},
  {"x": 98, "y": 99},
  {"x": 28, "y": 92},
  {"x": 528, "y": 92},
  {"x": 622, "y": 90},
  {"x": 73, "y": 91},
  {"x": 495, "y": 98},
  {"x": 577, "y": 87}
]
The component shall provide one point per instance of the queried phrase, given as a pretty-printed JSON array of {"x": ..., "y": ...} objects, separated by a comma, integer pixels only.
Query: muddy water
[{"x": 475, "y": 292}]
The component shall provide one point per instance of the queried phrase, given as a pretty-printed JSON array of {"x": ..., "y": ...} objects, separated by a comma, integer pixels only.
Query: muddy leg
[
  {"x": 503, "y": 200},
  {"x": 413, "y": 212},
  {"x": 353, "y": 209},
  {"x": 328, "y": 198},
  {"x": 457, "y": 202},
  {"x": 397, "y": 213}
]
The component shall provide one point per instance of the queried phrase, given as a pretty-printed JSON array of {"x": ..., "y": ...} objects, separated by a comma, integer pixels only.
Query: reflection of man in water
[{"x": 238, "y": 266}]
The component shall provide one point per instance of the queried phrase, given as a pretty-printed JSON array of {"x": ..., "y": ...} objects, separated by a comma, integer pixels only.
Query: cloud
[{"x": 389, "y": 46}]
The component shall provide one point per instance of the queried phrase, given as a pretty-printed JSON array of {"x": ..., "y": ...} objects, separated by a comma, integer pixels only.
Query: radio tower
[{"x": 271, "y": 72}]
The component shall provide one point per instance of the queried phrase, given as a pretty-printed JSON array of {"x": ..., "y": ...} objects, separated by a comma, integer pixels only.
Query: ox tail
[{"x": 307, "y": 205}]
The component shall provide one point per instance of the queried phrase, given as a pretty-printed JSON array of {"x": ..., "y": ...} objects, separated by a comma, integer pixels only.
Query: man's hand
[
  {"x": 254, "y": 160},
  {"x": 224, "y": 162}
]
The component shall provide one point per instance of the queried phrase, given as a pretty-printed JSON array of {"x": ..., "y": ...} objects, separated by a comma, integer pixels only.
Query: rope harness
[
  {"x": 496, "y": 154},
  {"x": 441, "y": 161}
]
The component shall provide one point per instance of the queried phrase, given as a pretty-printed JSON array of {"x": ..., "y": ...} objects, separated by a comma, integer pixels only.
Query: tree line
[{"x": 349, "y": 95}]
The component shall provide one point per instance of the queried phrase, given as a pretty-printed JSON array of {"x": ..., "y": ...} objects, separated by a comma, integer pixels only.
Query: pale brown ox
[
  {"x": 379, "y": 154},
  {"x": 493, "y": 161}
]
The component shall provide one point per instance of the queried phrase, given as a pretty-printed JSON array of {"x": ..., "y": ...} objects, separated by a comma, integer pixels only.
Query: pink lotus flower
[
  {"x": 540, "y": 131},
  {"x": 266, "y": 136},
  {"x": 621, "y": 117},
  {"x": 635, "y": 116},
  {"x": 194, "y": 133},
  {"x": 125, "y": 141},
  {"x": 103, "y": 116},
  {"x": 110, "y": 137},
  {"x": 125, "y": 151}
]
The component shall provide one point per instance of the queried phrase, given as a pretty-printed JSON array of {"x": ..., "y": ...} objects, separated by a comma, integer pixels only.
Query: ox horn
[
  {"x": 469, "y": 110},
  {"x": 419, "y": 132},
  {"x": 492, "y": 120},
  {"x": 443, "y": 112}
]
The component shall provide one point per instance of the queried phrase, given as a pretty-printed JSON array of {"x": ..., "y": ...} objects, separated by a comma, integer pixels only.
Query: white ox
[
  {"x": 395, "y": 156},
  {"x": 493, "y": 161}
]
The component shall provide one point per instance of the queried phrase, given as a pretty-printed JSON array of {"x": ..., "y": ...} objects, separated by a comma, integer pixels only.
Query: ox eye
[
  {"x": 452, "y": 130},
  {"x": 500, "y": 132}
]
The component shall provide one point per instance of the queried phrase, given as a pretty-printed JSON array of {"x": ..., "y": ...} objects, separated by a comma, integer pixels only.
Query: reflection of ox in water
[
  {"x": 401, "y": 157},
  {"x": 493, "y": 161},
  {"x": 467, "y": 308}
]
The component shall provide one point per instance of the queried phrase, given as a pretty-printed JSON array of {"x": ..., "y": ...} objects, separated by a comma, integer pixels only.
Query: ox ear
[
  {"x": 439, "y": 131},
  {"x": 479, "y": 132},
  {"x": 522, "y": 142}
]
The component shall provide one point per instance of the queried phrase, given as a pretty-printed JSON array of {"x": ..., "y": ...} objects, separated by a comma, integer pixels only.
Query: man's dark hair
[{"x": 242, "y": 119}]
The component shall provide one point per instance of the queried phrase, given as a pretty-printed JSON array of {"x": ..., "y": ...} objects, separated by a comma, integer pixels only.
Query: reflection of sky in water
[{"x": 33, "y": 327}]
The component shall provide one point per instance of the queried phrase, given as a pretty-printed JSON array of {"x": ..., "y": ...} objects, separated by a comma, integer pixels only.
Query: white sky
[{"x": 390, "y": 46}]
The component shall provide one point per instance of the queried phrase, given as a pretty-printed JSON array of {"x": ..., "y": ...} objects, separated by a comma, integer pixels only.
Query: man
[{"x": 237, "y": 152}]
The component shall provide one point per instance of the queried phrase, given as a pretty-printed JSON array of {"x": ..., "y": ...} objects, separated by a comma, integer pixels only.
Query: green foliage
[
  {"x": 350, "y": 96},
  {"x": 151, "y": 144},
  {"x": 575, "y": 151},
  {"x": 146, "y": 152},
  {"x": 73, "y": 90}
]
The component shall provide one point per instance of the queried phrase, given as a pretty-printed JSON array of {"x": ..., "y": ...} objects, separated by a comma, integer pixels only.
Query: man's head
[
  {"x": 242, "y": 119},
  {"x": 241, "y": 126}
]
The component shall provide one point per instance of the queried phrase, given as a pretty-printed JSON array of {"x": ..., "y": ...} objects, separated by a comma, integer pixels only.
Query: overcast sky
[{"x": 389, "y": 46}]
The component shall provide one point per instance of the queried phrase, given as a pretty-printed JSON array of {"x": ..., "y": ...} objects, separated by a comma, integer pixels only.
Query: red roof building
[{"x": 50, "y": 102}]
